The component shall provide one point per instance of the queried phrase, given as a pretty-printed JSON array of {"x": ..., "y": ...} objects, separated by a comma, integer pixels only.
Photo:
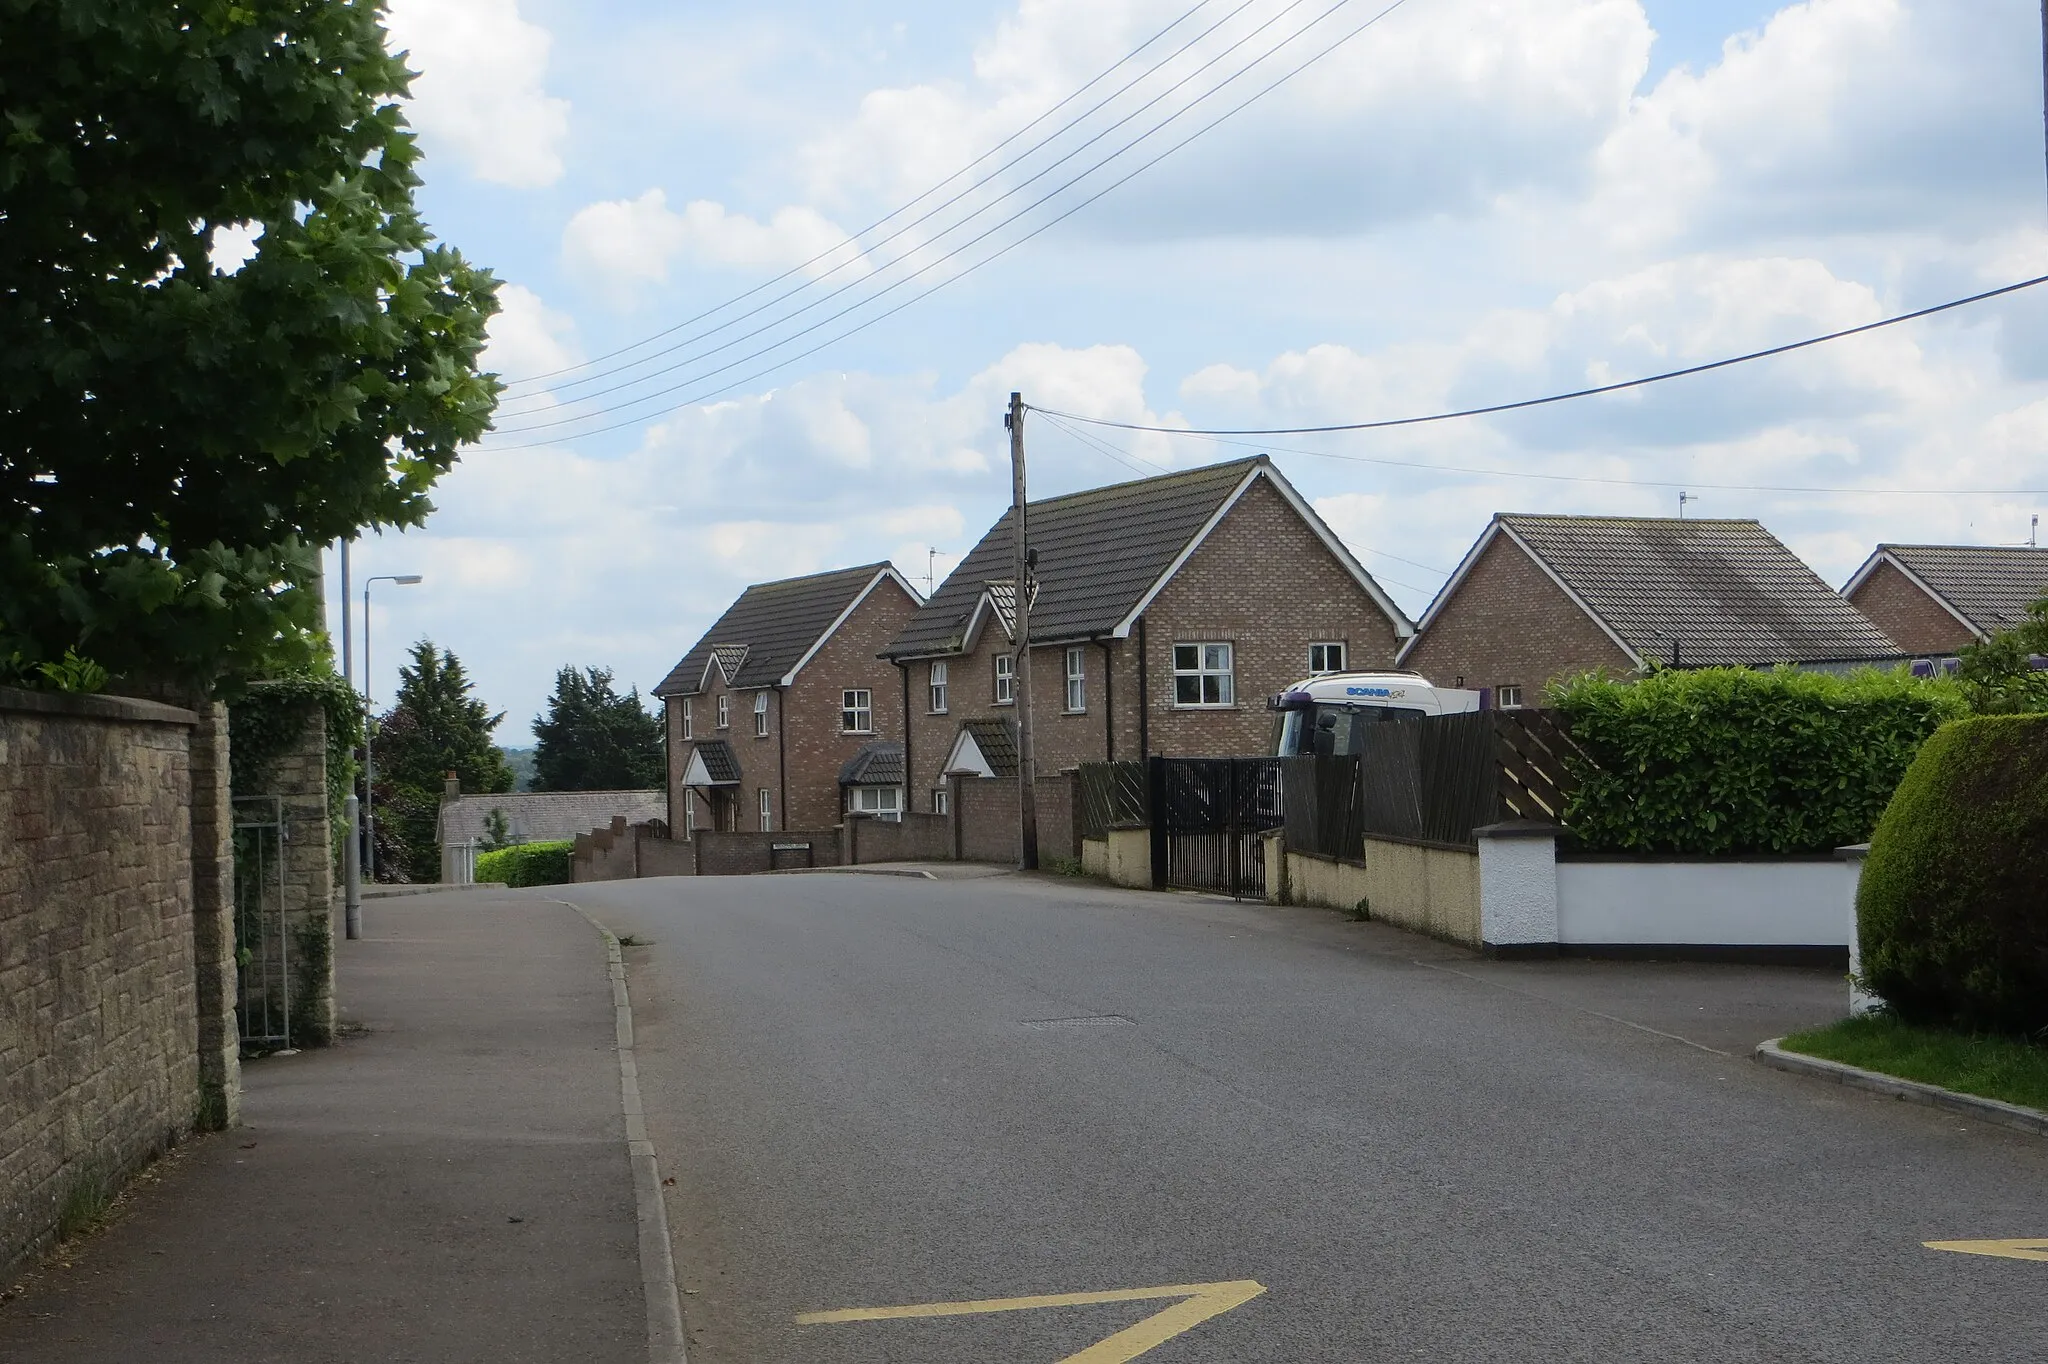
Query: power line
[
  {"x": 942, "y": 233},
  {"x": 849, "y": 241},
  {"x": 992, "y": 257},
  {"x": 1554, "y": 397}
]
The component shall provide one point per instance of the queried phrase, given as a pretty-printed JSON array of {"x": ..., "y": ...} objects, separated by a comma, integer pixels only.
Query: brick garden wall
[{"x": 115, "y": 961}]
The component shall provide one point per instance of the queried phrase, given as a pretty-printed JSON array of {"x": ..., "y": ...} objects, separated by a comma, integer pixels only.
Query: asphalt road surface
[{"x": 878, "y": 1092}]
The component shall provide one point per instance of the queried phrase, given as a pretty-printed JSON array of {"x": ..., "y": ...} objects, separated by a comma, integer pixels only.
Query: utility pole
[
  {"x": 352, "y": 852},
  {"x": 1021, "y": 560},
  {"x": 2044, "y": 79}
]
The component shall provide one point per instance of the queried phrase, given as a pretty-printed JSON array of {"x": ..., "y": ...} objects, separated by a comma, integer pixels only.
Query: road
[{"x": 871, "y": 1094}]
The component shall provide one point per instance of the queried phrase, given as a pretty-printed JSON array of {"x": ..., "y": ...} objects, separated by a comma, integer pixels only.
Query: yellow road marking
[
  {"x": 2010, "y": 1250},
  {"x": 1199, "y": 1302}
]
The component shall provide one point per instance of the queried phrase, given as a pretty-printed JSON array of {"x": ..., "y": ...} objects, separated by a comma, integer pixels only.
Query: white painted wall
[
  {"x": 1520, "y": 893},
  {"x": 1738, "y": 903}
]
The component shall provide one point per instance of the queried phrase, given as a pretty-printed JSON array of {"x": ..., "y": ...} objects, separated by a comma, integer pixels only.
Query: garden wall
[{"x": 117, "y": 1032}]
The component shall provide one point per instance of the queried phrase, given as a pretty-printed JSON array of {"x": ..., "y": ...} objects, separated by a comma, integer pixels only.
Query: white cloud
[
  {"x": 481, "y": 92},
  {"x": 623, "y": 244},
  {"x": 234, "y": 246},
  {"x": 527, "y": 337}
]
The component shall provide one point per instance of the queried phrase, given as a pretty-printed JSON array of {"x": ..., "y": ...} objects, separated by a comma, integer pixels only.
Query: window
[
  {"x": 1077, "y": 680},
  {"x": 724, "y": 720},
  {"x": 1508, "y": 696},
  {"x": 1326, "y": 658},
  {"x": 857, "y": 711},
  {"x": 938, "y": 688},
  {"x": 761, "y": 719},
  {"x": 883, "y": 802},
  {"x": 1204, "y": 675},
  {"x": 689, "y": 815},
  {"x": 939, "y": 805},
  {"x": 1006, "y": 680},
  {"x": 688, "y": 717},
  {"x": 767, "y": 810}
]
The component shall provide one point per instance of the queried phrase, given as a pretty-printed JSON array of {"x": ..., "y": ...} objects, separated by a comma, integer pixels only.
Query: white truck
[{"x": 1321, "y": 716}]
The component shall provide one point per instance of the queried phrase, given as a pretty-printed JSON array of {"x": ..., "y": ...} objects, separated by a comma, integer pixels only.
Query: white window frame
[
  {"x": 1006, "y": 679},
  {"x": 760, "y": 715},
  {"x": 689, "y": 718},
  {"x": 1077, "y": 680},
  {"x": 764, "y": 804},
  {"x": 689, "y": 815},
  {"x": 724, "y": 712},
  {"x": 1209, "y": 667},
  {"x": 854, "y": 704},
  {"x": 1320, "y": 659},
  {"x": 935, "y": 687},
  {"x": 1508, "y": 696},
  {"x": 942, "y": 801},
  {"x": 880, "y": 802}
]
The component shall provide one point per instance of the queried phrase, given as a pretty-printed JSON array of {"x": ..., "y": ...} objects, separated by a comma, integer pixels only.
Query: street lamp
[{"x": 369, "y": 759}]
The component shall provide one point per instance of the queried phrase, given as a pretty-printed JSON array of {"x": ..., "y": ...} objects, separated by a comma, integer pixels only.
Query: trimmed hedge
[
  {"x": 527, "y": 864},
  {"x": 1732, "y": 761},
  {"x": 1953, "y": 906}
]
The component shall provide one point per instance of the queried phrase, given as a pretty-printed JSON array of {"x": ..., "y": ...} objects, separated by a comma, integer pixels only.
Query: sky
[{"x": 1458, "y": 203}]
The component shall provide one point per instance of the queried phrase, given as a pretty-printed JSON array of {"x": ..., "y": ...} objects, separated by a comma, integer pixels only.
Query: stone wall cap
[
  {"x": 1854, "y": 852},
  {"x": 94, "y": 706},
  {"x": 1519, "y": 828}
]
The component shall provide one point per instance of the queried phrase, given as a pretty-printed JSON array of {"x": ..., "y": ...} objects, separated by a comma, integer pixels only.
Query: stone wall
[
  {"x": 114, "y": 955},
  {"x": 298, "y": 782},
  {"x": 737, "y": 854},
  {"x": 913, "y": 838}
]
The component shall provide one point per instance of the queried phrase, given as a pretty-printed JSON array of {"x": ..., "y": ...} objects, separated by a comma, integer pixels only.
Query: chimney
[{"x": 451, "y": 787}]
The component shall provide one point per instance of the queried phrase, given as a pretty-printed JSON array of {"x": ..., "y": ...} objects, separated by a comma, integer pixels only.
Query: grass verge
[{"x": 1990, "y": 1067}]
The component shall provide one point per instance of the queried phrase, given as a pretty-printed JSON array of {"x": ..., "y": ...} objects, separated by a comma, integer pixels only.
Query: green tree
[
  {"x": 433, "y": 728},
  {"x": 178, "y": 435},
  {"x": 593, "y": 739},
  {"x": 1998, "y": 675}
]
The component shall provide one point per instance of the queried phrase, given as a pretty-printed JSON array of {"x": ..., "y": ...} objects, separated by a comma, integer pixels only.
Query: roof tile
[
  {"x": 1988, "y": 585},
  {"x": 764, "y": 633}
]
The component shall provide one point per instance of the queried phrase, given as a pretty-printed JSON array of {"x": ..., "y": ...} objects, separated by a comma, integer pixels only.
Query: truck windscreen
[{"x": 1333, "y": 731}]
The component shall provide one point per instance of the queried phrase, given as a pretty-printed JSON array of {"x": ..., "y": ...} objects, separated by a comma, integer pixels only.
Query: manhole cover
[{"x": 1088, "y": 1021}]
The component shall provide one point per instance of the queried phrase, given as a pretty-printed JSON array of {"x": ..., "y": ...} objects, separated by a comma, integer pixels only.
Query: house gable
[{"x": 1907, "y": 609}]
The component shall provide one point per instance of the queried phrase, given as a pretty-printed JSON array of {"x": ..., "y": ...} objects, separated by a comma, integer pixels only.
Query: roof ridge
[
  {"x": 1149, "y": 479},
  {"x": 1641, "y": 520},
  {"x": 875, "y": 567}
]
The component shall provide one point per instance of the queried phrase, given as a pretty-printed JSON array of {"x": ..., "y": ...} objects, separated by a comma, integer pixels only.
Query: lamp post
[{"x": 369, "y": 723}]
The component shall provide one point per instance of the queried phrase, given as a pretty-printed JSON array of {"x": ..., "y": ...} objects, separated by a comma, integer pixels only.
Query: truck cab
[{"x": 1322, "y": 716}]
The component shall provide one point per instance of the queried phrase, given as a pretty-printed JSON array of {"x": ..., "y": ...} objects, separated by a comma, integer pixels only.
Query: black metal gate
[{"x": 1209, "y": 815}]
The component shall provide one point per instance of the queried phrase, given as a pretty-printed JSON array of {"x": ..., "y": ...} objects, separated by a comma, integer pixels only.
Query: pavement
[
  {"x": 450, "y": 1182},
  {"x": 912, "y": 1120}
]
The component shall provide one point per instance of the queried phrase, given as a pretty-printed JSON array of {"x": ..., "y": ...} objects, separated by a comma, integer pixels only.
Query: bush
[
  {"x": 1731, "y": 761},
  {"x": 1953, "y": 908},
  {"x": 527, "y": 864}
]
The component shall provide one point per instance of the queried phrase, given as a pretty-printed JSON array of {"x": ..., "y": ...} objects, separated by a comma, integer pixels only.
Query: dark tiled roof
[
  {"x": 545, "y": 816},
  {"x": 877, "y": 764},
  {"x": 720, "y": 763},
  {"x": 1098, "y": 552},
  {"x": 1730, "y": 592},
  {"x": 769, "y": 628},
  {"x": 997, "y": 742},
  {"x": 1988, "y": 585}
]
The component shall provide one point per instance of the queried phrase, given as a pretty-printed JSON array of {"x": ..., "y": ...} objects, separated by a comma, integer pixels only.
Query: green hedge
[
  {"x": 1731, "y": 761},
  {"x": 527, "y": 864},
  {"x": 1953, "y": 907}
]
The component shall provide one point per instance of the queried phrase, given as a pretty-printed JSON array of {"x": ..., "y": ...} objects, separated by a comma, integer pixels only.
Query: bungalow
[
  {"x": 1164, "y": 611},
  {"x": 1539, "y": 598},
  {"x": 1934, "y": 599},
  {"x": 784, "y": 696}
]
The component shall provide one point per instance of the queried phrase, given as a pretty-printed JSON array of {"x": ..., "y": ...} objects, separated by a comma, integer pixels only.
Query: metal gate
[
  {"x": 1209, "y": 815},
  {"x": 263, "y": 997}
]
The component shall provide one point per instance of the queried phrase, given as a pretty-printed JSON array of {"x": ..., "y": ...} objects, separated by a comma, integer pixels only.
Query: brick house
[
  {"x": 1166, "y": 610},
  {"x": 1934, "y": 599},
  {"x": 779, "y": 699},
  {"x": 1539, "y": 598}
]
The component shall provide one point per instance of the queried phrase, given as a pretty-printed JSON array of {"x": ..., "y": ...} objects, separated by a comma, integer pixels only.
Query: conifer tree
[{"x": 593, "y": 739}]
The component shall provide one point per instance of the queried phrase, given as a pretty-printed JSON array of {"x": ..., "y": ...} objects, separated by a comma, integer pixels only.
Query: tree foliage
[
  {"x": 1722, "y": 761},
  {"x": 1999, "y": 675},
  {"x": 593, "y": 739},
  {"x": 1951, "y": 910},
  {"x": 433, "y": 728},
  {"x": 178, "y": 435}
]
